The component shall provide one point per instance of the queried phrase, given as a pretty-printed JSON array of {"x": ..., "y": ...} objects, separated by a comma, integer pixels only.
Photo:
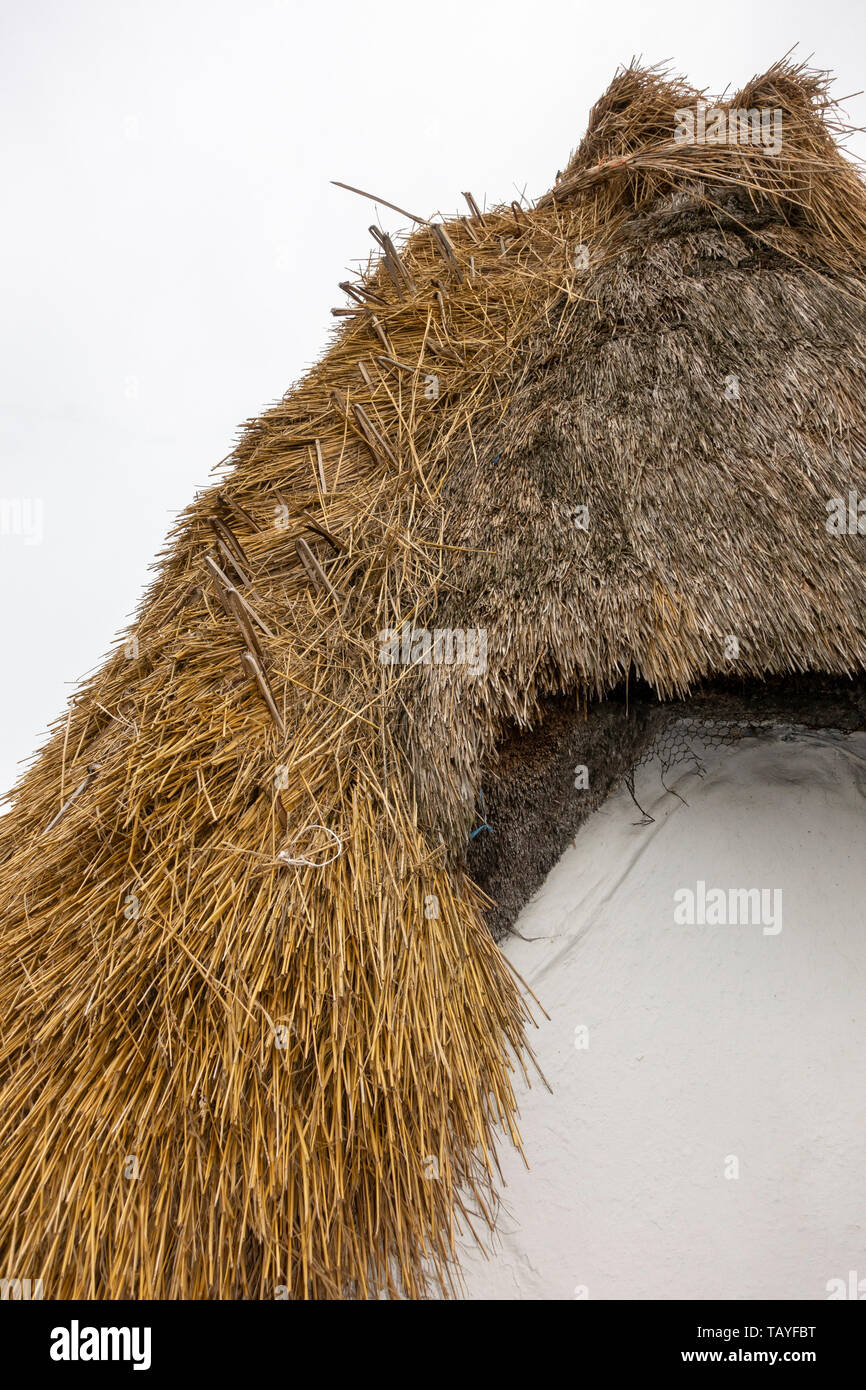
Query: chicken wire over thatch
[{"x": 256, "y": 1032}]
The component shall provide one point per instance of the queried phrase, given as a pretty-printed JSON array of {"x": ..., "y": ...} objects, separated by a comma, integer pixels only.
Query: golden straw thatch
[{"x": 256, "y": 1034}]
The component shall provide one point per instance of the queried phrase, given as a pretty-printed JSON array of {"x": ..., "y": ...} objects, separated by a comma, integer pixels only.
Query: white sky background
[{"x": 171, "y": 244}]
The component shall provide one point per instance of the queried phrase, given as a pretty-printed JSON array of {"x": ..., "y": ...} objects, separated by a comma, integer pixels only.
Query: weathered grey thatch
[{"x": 700, "y": 394}]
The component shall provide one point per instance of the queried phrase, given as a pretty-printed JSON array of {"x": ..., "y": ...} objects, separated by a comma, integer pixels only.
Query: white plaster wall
[{"x": 704, "y": 1043}]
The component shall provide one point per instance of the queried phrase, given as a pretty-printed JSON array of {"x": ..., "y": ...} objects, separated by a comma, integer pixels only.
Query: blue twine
[{"x": 485, "y": 826}]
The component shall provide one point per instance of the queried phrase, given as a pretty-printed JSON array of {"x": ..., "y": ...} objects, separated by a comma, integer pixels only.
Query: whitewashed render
[{"x": 708, "y": 1051}]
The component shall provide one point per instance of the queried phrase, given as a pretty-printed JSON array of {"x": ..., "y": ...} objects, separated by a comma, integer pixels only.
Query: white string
[{"x": 313, "y": 863}]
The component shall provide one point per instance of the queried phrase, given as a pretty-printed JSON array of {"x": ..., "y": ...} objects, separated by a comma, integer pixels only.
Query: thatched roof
[{"x": 307, "y": 1060}]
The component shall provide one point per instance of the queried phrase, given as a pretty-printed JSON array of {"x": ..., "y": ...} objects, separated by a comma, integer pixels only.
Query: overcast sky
[{"x": 171, "y": 243}]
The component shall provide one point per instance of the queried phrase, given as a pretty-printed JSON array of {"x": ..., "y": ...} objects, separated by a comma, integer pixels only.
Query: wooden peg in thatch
[
  {"x": 360, "y": 293},
  {"x": 320, "y": 464},
  {"x": 222, "y": 583},
  {"x": 393, "y": 264},
  {"x": 368, "y": 380},
  {"x": 247, "y": 630},
  {"x": 323, "y": 531},
  {"x": 232, "y": 545},
  {"x": 373, "y": 438},
  {"x": 313, "y": 568},
  {"x": 381, "y": 334},
  {"x": 443, "y": 244},
  {"x": 339, "y": 400},
  {"x": 518, "y": 214},
  {"x": 349, "y": 289},
  {"x": 252, "y": 615},
  {"x": 222, "y": 579},
  {"x": 240, "y": 512},
  {"x": 422, "y": 221},
  {"x": 474, "y": 208},
  {"x": 92, "y": 770},
  {"x": 225, "y": 589},
  {"x": 464, "y": 221},
  {"x": 252, "y": 667},
  {"x": 296, "y": 441},
  {"x": 440, "y": 350},
  {"x": 393, "y": 362},
  {"x": 388, "y": 261},
  {"x": 399, "y": 265},
  {"x": 230, "y": 560}
]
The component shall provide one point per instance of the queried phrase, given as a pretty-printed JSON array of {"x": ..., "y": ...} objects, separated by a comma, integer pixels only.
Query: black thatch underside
[{"x": 533, "y": 808}]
